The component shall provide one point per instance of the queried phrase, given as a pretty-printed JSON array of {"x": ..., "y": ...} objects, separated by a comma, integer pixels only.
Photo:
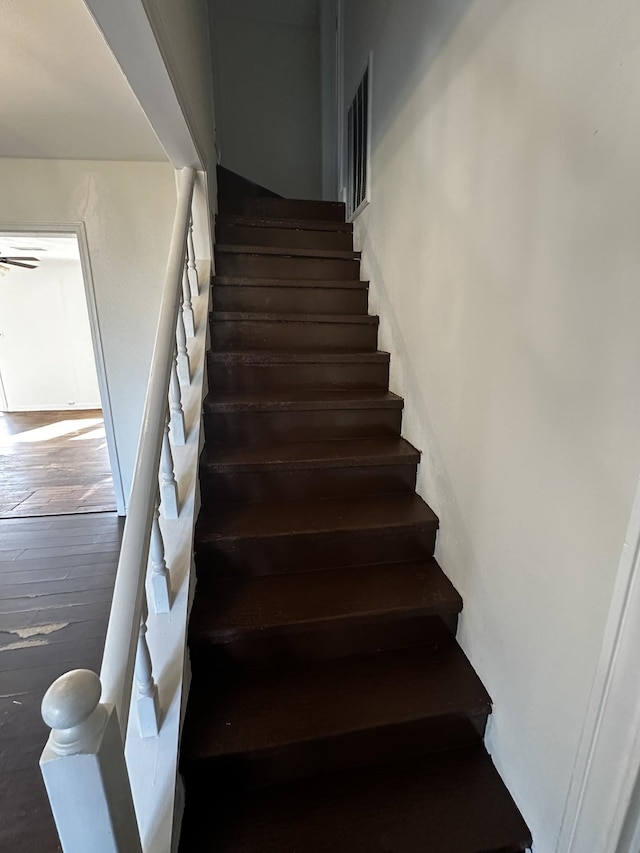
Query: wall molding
[{"x": 601, "y": 810}]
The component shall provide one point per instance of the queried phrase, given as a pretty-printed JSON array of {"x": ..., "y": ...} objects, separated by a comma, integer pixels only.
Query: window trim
[{"x": 368, "y": 72}]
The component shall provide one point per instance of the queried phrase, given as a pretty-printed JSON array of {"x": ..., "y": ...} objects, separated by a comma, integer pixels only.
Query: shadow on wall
[
  {"x": 416, "y": 41},
  {"x": 501, "y": 249},
  {"x": 540, "y": 317}
]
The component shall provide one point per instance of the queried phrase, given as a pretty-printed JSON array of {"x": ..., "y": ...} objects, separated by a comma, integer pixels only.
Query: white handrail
[
  {"x": 118, "y": 660},
  {"x": 83, "y": 763}
]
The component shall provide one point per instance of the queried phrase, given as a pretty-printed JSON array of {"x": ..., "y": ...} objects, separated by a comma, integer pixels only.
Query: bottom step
[{"x": 454, "y": 802}]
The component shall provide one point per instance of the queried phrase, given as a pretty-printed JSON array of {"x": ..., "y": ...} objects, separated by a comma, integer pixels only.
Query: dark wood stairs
[{"x": 331, "y": 708}]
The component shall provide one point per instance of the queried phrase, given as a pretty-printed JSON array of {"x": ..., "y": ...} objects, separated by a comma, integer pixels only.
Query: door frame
[
  {"x": 3, "y": 397},
  {"x": 48, "y": 229},
  {"x": 602, "y": 809}
]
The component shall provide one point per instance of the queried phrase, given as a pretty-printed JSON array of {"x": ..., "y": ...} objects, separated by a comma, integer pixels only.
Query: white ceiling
[
  {"x": 63, "y": 94},
  {"x": 62, "y": 247}
]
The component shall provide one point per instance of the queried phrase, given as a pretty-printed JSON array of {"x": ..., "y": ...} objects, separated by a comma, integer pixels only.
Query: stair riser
[
  {"x": 265, "y": 427},
  {"x": 287, "y": 238},
  {"x": 274, "y": 266},
  {"x": 355, "y": 749},
  {"x": 283, "y": 208},
  {"x": 234, "y": 335},
  {"x": 290, "y": 300},
  {"x": 258, "y": 486},
  {"x": 279, "y": 377},
  {"x": 308, "y": 552},
  {"x": 332, "y": 639}
]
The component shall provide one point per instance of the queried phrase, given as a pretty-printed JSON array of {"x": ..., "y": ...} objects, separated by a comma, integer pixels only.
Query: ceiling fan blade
[{"x": 18, "y": 264}]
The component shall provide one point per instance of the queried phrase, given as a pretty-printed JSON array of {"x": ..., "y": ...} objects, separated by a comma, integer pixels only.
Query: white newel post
[
  {"x": 160, "y": 579},
  {"x": 184, "y": 368},
  {"x": 178, "y": 431},
  {"x": 187, "y": 307},
  {"x": 168, "y": 484},
  {"x": 84, "y": 770},
  {"x": 191, "y": 262},
  {"x": 148, "y": 710}
]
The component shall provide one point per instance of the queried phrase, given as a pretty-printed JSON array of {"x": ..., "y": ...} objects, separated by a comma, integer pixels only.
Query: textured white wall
[
  {"x": 46, "y": 354},
  {"x": 267, "y": 83},
  {"x": 501, "y": 242},
  {"x": 128, "y": 212}
]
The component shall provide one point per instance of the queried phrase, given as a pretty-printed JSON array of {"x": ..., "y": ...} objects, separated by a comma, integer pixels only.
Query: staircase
[{"x": 331, "y": 708}]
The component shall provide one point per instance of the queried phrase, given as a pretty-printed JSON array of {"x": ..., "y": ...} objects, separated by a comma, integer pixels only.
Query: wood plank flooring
[
  {"x": 56, "y": 583},
  {"x": 54, "y": 463}
]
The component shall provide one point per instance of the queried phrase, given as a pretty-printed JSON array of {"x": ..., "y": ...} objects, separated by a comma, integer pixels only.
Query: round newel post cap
[{"x": 71, "y": 699}]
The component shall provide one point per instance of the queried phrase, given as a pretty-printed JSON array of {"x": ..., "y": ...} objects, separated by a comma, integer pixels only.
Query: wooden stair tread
[
  {"x": 247, "y": 713},
  {"x": 250, "y": 281},
  {"x": 322, "y": 627},
  {"x": 302, "y": 399},
  {"x": 288, "y": 357},
  {"x": 288, "y": 252},
  {"x": 227, "y": 609},
  {"x": 295, "y": 224},
  {"x": 295, "y": 518},
  {"x": 260, "y": 317},
  {"x": 452, "y": 803},
  {"x": 310, "y": 454},
  {"x": 294, "y": 208}
]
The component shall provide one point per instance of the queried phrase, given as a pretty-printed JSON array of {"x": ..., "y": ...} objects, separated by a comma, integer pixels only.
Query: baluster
[
  {"x": 178, "y": 433},
  {"x": 160, "y": 579},
  {"x": 147, "y": 703},
  {"x": 187, "y": 307},
  {"x": 84, "y": 769},
  {"x": 168, "y": 484},
  {"x": 184, "y": 368},
  {"x": 191, "y": 262}
]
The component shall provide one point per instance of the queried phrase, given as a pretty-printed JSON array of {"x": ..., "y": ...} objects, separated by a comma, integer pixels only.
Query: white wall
[
  {"x": 182, "y": 31},
  {"x": 329, "y": 19},
  {"x": 501, "y": 242},
  {"x": 46, "y": 354},
  {"x": 267, "y": 83},
  {"x": 128, "y": 212}
]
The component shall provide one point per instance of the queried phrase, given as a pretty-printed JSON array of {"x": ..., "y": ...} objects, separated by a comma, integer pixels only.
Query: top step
[
  {"x": 284, "y": 208},
  {"x": 234, "y": 220}
]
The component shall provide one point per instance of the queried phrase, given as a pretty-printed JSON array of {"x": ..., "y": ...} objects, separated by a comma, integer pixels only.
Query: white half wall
[
  {"x": 46, "y": 353},
  {"x": 501, "y": 243},
  {"x": 127, "y": 209},
  {"x": 268, "y": 95}
]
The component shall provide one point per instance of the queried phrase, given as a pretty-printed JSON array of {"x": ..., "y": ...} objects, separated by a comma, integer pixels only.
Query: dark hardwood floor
[
  {"x": 56, "y": 583},
  {"x": 54, "y": 463}
]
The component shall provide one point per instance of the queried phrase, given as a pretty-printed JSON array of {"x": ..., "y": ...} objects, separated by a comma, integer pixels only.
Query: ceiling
[
  {"x": 63, "y": 247},
  {"x": 63, "y": 94}
]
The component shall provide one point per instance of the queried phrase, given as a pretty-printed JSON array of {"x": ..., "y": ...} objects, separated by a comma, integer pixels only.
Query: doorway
[{"x": 56, "y": 439}]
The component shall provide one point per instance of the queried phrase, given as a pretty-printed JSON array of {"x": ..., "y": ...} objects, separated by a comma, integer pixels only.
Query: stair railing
[{"x": 83, "y": 763}]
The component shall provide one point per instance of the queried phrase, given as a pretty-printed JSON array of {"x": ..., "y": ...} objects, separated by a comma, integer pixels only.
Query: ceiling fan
[{"x": 18, "y": 262}]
